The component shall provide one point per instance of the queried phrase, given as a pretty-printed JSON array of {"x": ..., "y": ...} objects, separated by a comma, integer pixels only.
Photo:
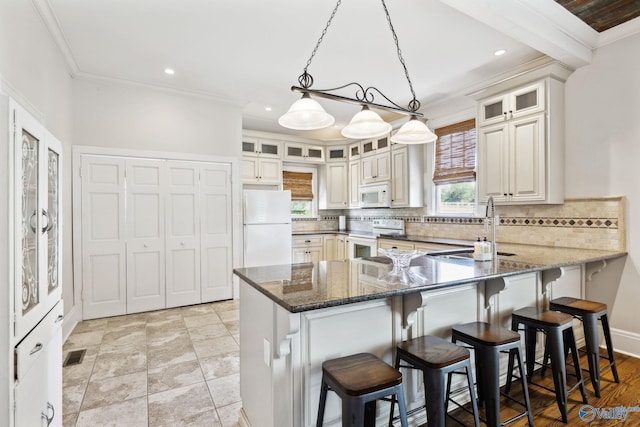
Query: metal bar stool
[
  {"x": 558, "y": 328},
  {"x": 360, "y": 380},
  {"x": 589, "y": 312},
  {"x": 488, "y": 341},
  {"x": 437, "y": 359}
]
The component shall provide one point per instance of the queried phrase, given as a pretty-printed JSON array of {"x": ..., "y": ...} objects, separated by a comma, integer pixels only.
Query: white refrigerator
[{"x": 267, "y": 227}]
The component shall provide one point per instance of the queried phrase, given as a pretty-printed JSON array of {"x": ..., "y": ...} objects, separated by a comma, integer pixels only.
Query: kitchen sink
[{"x": 461, "y": 254}]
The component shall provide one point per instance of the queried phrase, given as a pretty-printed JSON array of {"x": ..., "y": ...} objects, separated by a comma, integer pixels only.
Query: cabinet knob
[
  {"x": 511, "y": 194},
  {"x": 307, "y": 241},
  {"x": 504, "y": 194}
]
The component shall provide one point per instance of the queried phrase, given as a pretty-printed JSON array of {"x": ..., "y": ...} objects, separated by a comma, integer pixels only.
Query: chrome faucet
[{"x": 491, "y": 220}]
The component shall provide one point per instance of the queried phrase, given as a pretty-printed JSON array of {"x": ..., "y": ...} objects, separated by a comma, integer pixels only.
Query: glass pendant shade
[
  {"x": 306, "y": 114},
  {"x": 414, "y": 132},
  {"x": 366, "y": 124}
]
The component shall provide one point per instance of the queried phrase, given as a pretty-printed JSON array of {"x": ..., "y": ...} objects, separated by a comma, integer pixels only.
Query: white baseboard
[
  {"x": 626, "y": 342},
  {"x": 71, "y": 319},
  {"x": 243, "y": 421}
]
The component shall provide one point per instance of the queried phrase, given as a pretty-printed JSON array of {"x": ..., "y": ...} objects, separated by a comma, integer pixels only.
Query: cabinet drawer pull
[
  {"x": 59, "y": 319},
  {"x": 36, "y": 348},
  {"x": 307, "y": 241},
  {"x": 45, "y": 415}
]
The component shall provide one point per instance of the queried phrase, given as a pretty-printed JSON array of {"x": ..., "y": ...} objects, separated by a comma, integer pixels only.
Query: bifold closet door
[
  {"x": 104, "y": 264},
  {"x": 216, "y": 231},
  {"x": 145, "y": 235},
  {"x": 183, "y": 233}
]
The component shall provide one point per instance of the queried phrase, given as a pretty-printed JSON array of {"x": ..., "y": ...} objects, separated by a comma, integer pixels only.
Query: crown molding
[
  {"x": 619, "y": 32},
  {"x": 48, "y": 16}
]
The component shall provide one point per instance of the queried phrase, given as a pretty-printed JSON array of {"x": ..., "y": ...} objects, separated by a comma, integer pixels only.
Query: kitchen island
[{"x": 293, "y": 317}]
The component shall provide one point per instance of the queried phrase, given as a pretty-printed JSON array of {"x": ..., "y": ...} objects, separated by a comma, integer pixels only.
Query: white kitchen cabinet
[
  {"x": 261, "y": 147},
  {"x": 335, "y": 247},
  {"x": 395, "y": 244},
  {"x": 513, "y": 104},
  {"x": 299, "y": 152},
  {"x": 337, "y": 185},
  {"x": 355, "y": 150},
  {"x": 38, "y": 390},
  {"x": 37, "y": 228},
  {"x": 307, "y": 248},
  {"x": 337, "y": 153},
  {"x": 376, "y": 168},
  {"x": 259, "y": 170},
  {"x": 376, "y": 145},
  {"x": 399, "y": 176},
  {"x": 354, "y": 184},
  {"x": 511, "y": 157},
  {"x": 521, "y": 144}
]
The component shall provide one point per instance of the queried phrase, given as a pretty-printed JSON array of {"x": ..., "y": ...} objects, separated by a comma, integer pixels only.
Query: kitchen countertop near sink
[{"x": 315, "y": 285}]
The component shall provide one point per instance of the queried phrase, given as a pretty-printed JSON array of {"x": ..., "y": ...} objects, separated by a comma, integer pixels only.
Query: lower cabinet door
[{"x": 38, "y": 389}]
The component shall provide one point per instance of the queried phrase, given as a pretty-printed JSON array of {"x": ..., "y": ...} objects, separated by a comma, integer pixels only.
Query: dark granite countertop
[
  {"x": 310, "y": 286},
  {"x": 308, "y": 233}
]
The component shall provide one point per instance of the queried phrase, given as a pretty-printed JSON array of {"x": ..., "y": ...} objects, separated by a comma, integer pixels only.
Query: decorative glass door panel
[
  {"x": 30, "y": 230},
  {"x": 37, "y": 230},
  {"x": 52, "y": 226}
]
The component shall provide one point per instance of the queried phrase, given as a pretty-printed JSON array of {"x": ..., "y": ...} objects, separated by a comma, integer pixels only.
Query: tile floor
[{"x": 175, "y": 367}]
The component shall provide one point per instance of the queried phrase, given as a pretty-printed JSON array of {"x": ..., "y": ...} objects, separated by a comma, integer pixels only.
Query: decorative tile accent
[{"x": 453, "y": 220}]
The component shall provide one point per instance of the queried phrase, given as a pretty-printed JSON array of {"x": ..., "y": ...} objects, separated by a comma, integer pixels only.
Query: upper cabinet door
[
  {"x": 527, "y": 100},
  {"x": 37, "y": 235}
]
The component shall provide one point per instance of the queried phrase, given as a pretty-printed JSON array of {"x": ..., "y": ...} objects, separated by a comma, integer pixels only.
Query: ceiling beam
[{"x": 543, "y": 25}]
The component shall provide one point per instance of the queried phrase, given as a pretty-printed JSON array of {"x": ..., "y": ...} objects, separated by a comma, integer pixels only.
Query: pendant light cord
[
  {"x": 306, "y": 81},
  {"x": 305, "y": 78},
  {"x": 414, "y": 104}
]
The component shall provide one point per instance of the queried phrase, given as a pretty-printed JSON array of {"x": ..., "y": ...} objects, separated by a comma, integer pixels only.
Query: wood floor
[{"x": 545, "y": 409}]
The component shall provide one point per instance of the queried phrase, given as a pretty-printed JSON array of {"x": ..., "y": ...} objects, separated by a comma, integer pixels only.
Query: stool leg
[
  {"x": 545, "y": 360},
  {"x": 570, "y": 341},
  {"x": 434, "y": 389},
  {"x": 352, "y": 412},
  {"x": 607, "y": 338},
  {"x": 556, "y": 351},
  {"x": 593, "y": 354},
  {"x": 393, "y": 398},
  {"x": 530, "y": 349},
  {"x": 507, "y": 387},
  {"x": 402, "y": 406},
  {"x": 472, "y": 394},
  {"x": 523, "y": 380},
  {"x": 490, "y": 360},
  {"x": 370, "y": 413},
  {"x": 323, "y": 401}
]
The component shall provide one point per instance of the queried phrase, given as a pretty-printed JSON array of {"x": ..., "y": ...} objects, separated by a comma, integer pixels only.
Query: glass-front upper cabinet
[
  {"x": 261, "y": 147},
  {"x": 517, "y": 103},
  {"x": 37, "y": 210}
]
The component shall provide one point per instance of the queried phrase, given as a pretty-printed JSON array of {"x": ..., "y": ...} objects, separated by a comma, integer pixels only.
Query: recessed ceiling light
[
  {"x": 499, "y": 52},
  {"x": 267, "y": 108},
  {"x": 169, "y": 71}
]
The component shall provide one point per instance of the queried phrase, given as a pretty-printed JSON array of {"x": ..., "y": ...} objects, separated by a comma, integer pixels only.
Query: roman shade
[
  {"x": 455, "y": 153},
  {"x": 300, "y": 184}
]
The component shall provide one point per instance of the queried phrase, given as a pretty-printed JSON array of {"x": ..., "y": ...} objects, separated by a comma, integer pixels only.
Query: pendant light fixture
[{"x": 307, "y": 114}]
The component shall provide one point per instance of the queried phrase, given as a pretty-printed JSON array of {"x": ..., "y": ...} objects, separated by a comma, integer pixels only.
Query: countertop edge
[{"x": 352, "y": 300}]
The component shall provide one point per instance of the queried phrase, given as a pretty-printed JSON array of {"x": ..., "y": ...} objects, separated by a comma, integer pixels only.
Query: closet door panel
[
  {"x": 145, "y": 236},
  {"x": 216, "y": 234},
  {"x": 103, "y": 237},
  {"x": 183, "y": 234}
]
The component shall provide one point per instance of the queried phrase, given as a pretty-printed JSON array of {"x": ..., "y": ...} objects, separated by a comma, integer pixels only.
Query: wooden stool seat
[
  {"x": 486, "y": 334},
  {"x": 558, "y": 328},
  {"x": 578, "y": 306},
  {"x": 488, "y": 341},
  {"x": 360, "y": 374},
  {"x": 438, "y": 359},
  {"x": 589, "y": 312},
  {"x": 433, "y": 352},
  {"x": 359, "y": 380}
]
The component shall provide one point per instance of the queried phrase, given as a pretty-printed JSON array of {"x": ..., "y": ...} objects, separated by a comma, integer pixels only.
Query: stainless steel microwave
[{"x": 375, "y": 196}]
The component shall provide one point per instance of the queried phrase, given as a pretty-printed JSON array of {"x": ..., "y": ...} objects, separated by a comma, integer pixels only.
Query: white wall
[
  {"x": 135, "y": 117},
  {"x": 602, "y": 158},
  {"x": 32, "y": 67}
]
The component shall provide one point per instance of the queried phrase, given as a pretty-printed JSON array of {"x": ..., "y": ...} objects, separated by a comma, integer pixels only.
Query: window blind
[
  {"x": 455, "y": 153},
  {"x": 300, "y": 184}
]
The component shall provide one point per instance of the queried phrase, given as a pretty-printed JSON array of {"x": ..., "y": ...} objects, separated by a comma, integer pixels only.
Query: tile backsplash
[{"x": 597, "y": 223}]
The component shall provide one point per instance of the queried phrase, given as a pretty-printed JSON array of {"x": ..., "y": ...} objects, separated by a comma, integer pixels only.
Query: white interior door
[
  {"x": 216, "y": 232},
  {"x": 103, "y": 236},
  {"x": 183, "y": 233},
  {"x": 145, "y": 236}
]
